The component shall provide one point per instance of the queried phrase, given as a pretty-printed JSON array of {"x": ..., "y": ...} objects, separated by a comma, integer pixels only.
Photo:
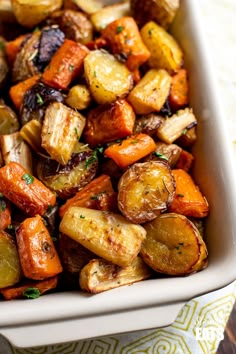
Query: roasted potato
[
  {"x": 165, "y": 51},
  {"x": 62, "y": 128},
  {"x": 106, "y": 234},
  {"x": 99, "y": 275},
  {"x": 67, "y": 180},
  {"x": 10, "y": 269},
  {"x": 160, "y": 11},
  {"x": 145, "y": 190},
  {"x": 4, "y": 69},
  {"x": 107, "y": 78},
  {"x": 87, "y": 6},
  {"x": 165, "y": 152},
  {"x": 151, "y": 92},
  {"x": 148, "y": 124},
  {"x": 8, "y": 119},
  {"x": 79, "y": 97},
  {"x": 30, "y": 13},
  {"x": 173, "y": 245}
]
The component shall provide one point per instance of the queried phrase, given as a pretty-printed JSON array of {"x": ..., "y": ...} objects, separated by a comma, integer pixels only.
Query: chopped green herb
[
  {"x": 3, "y": 205},
  {"x": 31, "y": 293},
  {"x": 39, "y": 99},
  {"x": 10, "y": 227},
  {"x": 36, "y": 29},
  {"x": 1, "y": 195},
  {"x": 184, "y": 131},
  {"x": 95, "y": 73},
  {"x": 119, "y": 29},
  {"x": 177, "y": 247},
  {"x": 49, "y": 208},
  {"x": 160, "y": 156},
  {"x": 28, "y": 178},
  {"x": 71, "y": 68},
  {"x": 100, "y": 149},
  {"x": 95, "y": 197},
  {"x": 134, "y": 141},
  {"x": 94, "y": 157},
  {"x": 150, "y": 31},
  {"x": 82, "y": 217},
  {"x": 180, "y": 195}
]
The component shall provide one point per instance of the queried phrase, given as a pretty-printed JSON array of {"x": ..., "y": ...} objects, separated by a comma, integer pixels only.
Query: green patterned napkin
[{"x": 198, "y": 329}]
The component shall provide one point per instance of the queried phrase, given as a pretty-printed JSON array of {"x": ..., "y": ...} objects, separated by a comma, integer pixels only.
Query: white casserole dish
[{"x": 72, "y": 316}]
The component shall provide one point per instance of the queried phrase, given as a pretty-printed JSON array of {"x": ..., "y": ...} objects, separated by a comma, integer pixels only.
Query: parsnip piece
[
  {"x": 173, "y": 245},
  {"x": 10, "y": 269},
  {"x": 101, "y": 18},
  {"x": 165, "y": 51},
  {"x": 62, "y": 127},
  {"x": 79, "y": 97},
  {"x": 145, "y": 190},
  {"x": 151, "y": 92},
  {"x": 14, "y": 148},
  {"x": 99, "y": 275},
  {"x": 106, "y": 234},
  {"x": 31, "y": 133},
  {"x": 172, "y": 128},
  {"x": 107, "y": 78}
]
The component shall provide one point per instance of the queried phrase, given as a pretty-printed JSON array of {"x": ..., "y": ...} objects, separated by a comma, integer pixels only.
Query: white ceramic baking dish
[{"x": 71, "y": 316}]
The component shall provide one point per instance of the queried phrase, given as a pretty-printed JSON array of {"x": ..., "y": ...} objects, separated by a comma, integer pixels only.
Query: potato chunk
[
  {"x": 10, "y": 269},
  {"x": 145, "y": 190},
  {"x": 173, "y": 245},
  {"x": 99, "y": 275},
  {"x": 107, "y": 78},
  {"x": 62, "y": 127},
  {"x": 106, "y": 234},
  {"x": 165, "y": 51},
  {"x": 151, "y": 92}
]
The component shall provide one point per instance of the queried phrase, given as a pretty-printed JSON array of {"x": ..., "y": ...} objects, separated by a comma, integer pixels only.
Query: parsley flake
[
  {"x": 160, "y": 156},
  {"x": 39, "y": 99},
  {"x": 3, "y": 205},
  {"x": 28, "y": 178},
  {"x": 119, "y": 29},
  {"x": 180, "y": 195},
  {"x": 32, "y": 293},
  {"x": 71, "y": 68},
  {"x": 82, "y": 217}
]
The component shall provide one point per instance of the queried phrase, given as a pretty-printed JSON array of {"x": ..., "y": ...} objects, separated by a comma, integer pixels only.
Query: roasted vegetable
[
  {"x": 10, "y": 269},
  {"x": 172, "y": 128},
  {"x": 101, "y": 18},
  {"x": 74, "y": 24},
  {"x": 38, "y": 256},
  {"x": 165, "y": 51},
  {"x": 165, "y": 152},
  {"x": 8, "y": 120},
  {"x": 106, "y": 234},
  {"x": 173, "y": 245},
  {"x": 35, "y": 101},
  {"x": 188, "y": 199},
  {"x": 79, "y": 97},
  {"x": 31, "y": 133},
  {"x": 18, "y": 91},
  {"x": 130, "y": 150},
  {"x": 185, "y": 161},
  {"x": 108, "y": 79},
  {"x": 12, "y": 47},
  {"x": 30, "y": 14},
  {"x": 62, "y": 128},
  {"x": 24, "y": 190},
  {"x": 87, "y": 6},
  {"x": 3, "y": 64},
  {"x": 65, "y": 65},
  {"x": 67, "y": 180},
  {"x": 145, "y": 190},
  {"x": 5, "y": 213},
  {"x": 14, "y": 148},
  {"x": 126, "y": 44},
  {"x": 148, "y": 124},
  {"x": 99, "y": 275},
  {"x": 109, "y": 122},
  {"x": 151, "y": 92},
  {"x": 179, "y": 95},
  {"x": 160, "y": 11}
]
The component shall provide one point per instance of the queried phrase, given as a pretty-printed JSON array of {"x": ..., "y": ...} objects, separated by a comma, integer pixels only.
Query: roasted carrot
[
  {"x": 109, "y": 122},
  {"x": 17, "y": 91},
  {"x": 136, "y": 76},
  {"x": 97, "y": 44},
  {"x": 65, "y": 64},
  {"x": 5, "y": 213},
  {"x": 178, "y": 97},
  {"x": 107, "y": 201},
  {"x": 188, "y": 199},
  {"x": 24, "y": 190},
  {"x": 12, "y": 47},
  {"x": 185, "y": 161},
  {"x": 125, "y": 41},
  {"x": 38, "y": 256},
  {"x": 29, "y": 289},
  {"x": 87, "y": 196},
  {"x": 131, "y": 149}
]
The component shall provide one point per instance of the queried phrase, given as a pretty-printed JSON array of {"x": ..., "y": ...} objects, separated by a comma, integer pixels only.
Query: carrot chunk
[
  {"x": 178, "y": 97},
  {"x": 12, "y": 48},
  {"x": 24, "y": 190},
  {"x": 131, "y": 149},
  {"x": 185, "y": 161},
  {"x": 38, "y": 256},
  {"x": 20, "y": 291},
  {"x": 125, "y": 41},
  {"x": 109, "y": 122},
  {"x": 87, "y": 196},
  {"x": 65, "y": 64},
  {"x": 17, "y": 91},
  {"x": 188, "y": 199}
]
